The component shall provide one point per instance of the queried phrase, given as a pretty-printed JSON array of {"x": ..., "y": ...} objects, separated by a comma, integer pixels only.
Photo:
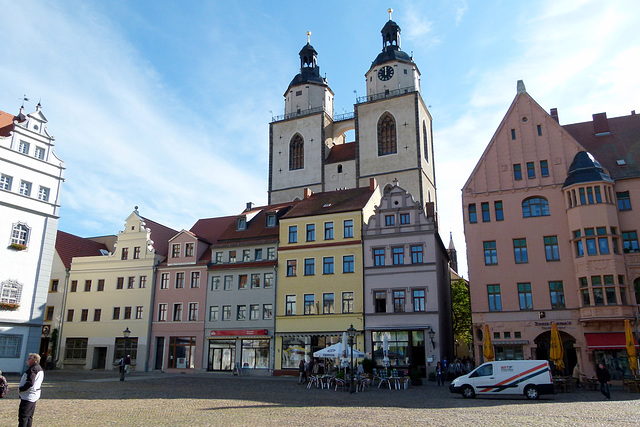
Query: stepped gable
[
  {"x": 160, "y": 234},
  {"x": 69, "y": 246}
]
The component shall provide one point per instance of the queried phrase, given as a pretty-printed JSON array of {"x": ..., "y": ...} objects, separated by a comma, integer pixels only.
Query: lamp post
[
  {"x": 126, "y": 334},
  {"x": 432, "y": 335},
  {"x": 351, "y": 332}
]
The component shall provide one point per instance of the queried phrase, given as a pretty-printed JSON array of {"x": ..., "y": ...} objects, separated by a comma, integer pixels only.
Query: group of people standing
[
  {"x": 446, "y": 371},
  {"x": 306, "y": 369}
]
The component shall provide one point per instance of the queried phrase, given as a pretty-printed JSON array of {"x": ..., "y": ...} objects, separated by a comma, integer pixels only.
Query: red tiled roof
[
  {"x": 69, "y": 246},
  {"x": 209, "y": 229},
  {"x": 6, "y": 123},
  {"x": 257, "y": 225},
  {"x": 331, "y": 202},
  {"x": 342, "y": 153},
  {"x": 621, "y": 143},
  {"x": 160, "y": 234}
]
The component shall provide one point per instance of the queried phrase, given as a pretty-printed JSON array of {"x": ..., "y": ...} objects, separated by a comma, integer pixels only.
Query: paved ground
[{"x": 99, "y": 399}]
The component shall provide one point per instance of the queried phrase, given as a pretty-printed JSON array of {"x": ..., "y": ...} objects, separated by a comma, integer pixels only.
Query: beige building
[{"x": 551, "y": 236}]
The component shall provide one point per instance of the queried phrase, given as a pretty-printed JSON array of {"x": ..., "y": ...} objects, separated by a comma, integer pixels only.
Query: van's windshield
[{"x": 483, "y": 371}]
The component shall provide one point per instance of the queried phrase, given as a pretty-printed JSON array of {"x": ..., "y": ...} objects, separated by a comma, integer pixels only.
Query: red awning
[{"x": 606, "y": 340}]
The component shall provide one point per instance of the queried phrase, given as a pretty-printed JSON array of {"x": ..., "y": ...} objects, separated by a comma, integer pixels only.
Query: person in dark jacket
[
  {"x": 29, "y": 390},
  {"x": 604, "y": 378}
]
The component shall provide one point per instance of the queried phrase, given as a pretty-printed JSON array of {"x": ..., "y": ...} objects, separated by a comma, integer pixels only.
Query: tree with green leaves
[{"x": 461, "y": 309}]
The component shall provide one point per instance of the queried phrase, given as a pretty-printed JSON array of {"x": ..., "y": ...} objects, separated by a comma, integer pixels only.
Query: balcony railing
[
  {"x": 385, "y": 94},
  {"x": 344, "y": 116},
  {"x": 299, "y": 113}
]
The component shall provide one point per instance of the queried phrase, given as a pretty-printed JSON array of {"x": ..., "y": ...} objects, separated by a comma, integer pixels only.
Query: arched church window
[
  {"x": 296, "y": 152},
  {"x": 426, "y": 142},
  {"x": 387, "y": 135},
  {"x": 535, "y": 206}
]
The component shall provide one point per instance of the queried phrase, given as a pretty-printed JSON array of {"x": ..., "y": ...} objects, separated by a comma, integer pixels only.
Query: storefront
[
  {"x": 301, "y": 347},
  {"x": 406, "y": 348},
  {"x": 610, "y": 349},
  {"x": 249, "y": 350}
]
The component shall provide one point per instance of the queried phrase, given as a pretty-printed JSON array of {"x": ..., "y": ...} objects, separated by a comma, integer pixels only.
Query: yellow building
[
  {"x": 111, "y": 293},
  {"x": 320, "y": 273}
]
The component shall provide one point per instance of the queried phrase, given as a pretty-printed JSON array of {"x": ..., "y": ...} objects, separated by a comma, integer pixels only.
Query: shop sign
[{"x": 242, "y": 332}]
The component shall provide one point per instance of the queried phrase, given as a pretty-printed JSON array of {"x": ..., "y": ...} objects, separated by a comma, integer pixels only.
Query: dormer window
[
  {"x": 242, "y": 223},
  {"x": 271, "y": 220},
  {"x": 24, "y": 147}
]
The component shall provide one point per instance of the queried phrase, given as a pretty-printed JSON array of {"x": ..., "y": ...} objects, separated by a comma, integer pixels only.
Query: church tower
[{"x": 393, "y": 125}]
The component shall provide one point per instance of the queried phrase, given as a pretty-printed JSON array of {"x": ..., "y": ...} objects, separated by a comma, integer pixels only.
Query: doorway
[
  {"x": 221, "y": 355},
  {"x": 99, "y": 358},
  {"x": 159, "y": 352}
]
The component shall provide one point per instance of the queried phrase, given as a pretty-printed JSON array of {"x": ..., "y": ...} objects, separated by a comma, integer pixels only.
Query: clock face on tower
[{"x": 385, "y": 73}]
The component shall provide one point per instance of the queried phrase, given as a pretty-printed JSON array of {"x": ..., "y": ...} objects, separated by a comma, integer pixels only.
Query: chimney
[
  {"x": 249, "y": 206},
  {"x": 520, "y": 87},
  {"x": 554, "y": 114},
  {"x": 307, "y": 193},
  {"x": 372, "y": 184},
  {"x": 600, "y": 124}
]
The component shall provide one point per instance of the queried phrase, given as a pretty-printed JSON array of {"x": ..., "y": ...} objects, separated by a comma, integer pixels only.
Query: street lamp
[
  {"x": 432, "y": 335},
  {"x": 126, "y": 334},
  {"x": 351, "y": 332}
]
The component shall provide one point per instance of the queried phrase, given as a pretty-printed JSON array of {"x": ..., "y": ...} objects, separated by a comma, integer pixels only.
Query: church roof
[
  {"x": 342, "y": 153},
  {"x": 391, "y": 53}
]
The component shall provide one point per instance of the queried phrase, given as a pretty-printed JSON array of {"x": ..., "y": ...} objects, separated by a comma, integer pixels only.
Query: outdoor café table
[{"x": 592, "y": 383}]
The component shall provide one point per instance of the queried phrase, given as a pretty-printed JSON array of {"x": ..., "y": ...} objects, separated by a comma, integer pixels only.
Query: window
[
  {"x": 584, "y": 289},
  {"x": 162, "y": 312},
  {"x": 624, "y": 202},
  {"x": 242, "y": 281},
  {"x": 254, "y": 312},
  {"x": 84, "y": 315},
  {"x": 164, "y": 281},
  {"x": 271, "y": 220},
  {"x": 389, "y": 220},
  {"x": 116, "y": 313},
  {"x": 142, "y": 283},
  {"x": 258, "y": 254},
  {"x": 293, "y": 234},
  {"x": 70, "y": 315},
  {"x": 54, "y": 285},
  {"x": 495, "y": 300},
  {"x": 213, "y": 313},
  {"x": 490, "y": 253},
  {"x": 48, "y": 314},
  {"x": 327, "y": 265},
  {"x": 378, "y": 257},
  {"x": 380, "y": 301},
  {"x": 215, "y": 283},
  {"x": 228, "y": 280},
  {"x": 347, "y": 302},
  {"x": 309, "y": 266},
  {"x": 535, "y": 206},
  {"x": 591, "y": 242},
  {"x": 311, "y": 232},
  {"x": 486, "y": 215},
  {"x": 39, "y": 153},
  {"x": 630, "y": 241},
  {"x": 590, "y": 195},
  {"x": 539, "y": 128},
  {"x": 424, "y": 136},
  {"x": 127, "y": 313},
  {"x": 328, "y": 304},
  {"x": 23, "y": 147},
  {"x": 309, "y": 304},
  {"x": 76, "y": 348},
  {"x": 517, "y": 172},
  {"x": 578, "y": 243},
  {"x": 74, "y": 286},
  {"x": 598, "y": 194},
  {"x": 610, "y": 290},
  {"x": 232, "y": 256},
  {"x": 290, "y": 305},
  {"x": 175, "y": 250},
  {"x": 139, "y": 310},
  {"x": 544, "y": 168},
  {"x": 10, "y": 292},
  {"x": 598, "y": 294},
  {"x": 531, "y": 170},
  {"x": 473, "y": 217},
  {"x": 10, "y": 346},
  {"x": 87, "y": 285},
  {"x": 268, "y": 280},
  {"x": 219, "y": 257},
  {"x": 131, "y": 282},
  {"x": 226, "y": 312},
  {"x": 513, "y": 134},
  {"x": 499, "y": 212},
  {"x": 405, "y": 218},
  {"x": 195, "y": 279},
  {"x": 246, "y": 255},
  {"x": 328, "y": 231},
  {"x": 188, "y": 249},
  {"x": 267, "y": 311},
  {"x": 193, "y": 312},
  {"x": 603, "y": 242},
  {"x": 398, "y": 255},
  {"x": 348, "y": 264},
  {"x": 520, "y": 251},
  {"x": 125, "y": 253},
  {"x": 181, "y": 352},
  {"x": 255, "y": 281},
  {"x": 398, "y": 302},
  {"x": 583, "y": 200},
  {"x": 180, "y": 280},
  {"x": 348, "y": 228},
  {"x": 177, "y": 312},
  {"x": 5, "y": 182},
  {"x": 416, "y": 254},
  {"x": 551, "y": 251},
  {"x": 419, "y": 300},
  {"x": 241, "y": 223},
  {"x": 20, "y": 234},
  {"x": 386, "y": 135},
  {"x": 43, "y": 194},
  {"x": 524, "y": 296},
  {"x": 271, "y": 253},
  {"x": 291, "y": 267},
  {"x": 296, "y": 152},
  {"x": 25, "y": 188}
]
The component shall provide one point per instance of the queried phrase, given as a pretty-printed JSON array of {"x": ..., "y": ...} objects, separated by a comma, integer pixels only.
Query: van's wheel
[
  {"x": 531, "y": 392},
  {"x": 467, "y": 392}
]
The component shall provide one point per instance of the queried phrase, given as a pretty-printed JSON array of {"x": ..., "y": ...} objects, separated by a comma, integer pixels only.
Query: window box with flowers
[
  {"x": 17, "y": 247},
  {"x": 9, "y": 306}
]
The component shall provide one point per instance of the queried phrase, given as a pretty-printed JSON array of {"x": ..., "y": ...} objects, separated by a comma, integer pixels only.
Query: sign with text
[{"x": 244, "y": 332}]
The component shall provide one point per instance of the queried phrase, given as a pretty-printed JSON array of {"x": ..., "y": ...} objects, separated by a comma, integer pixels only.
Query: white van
[{"x": 525, "y": 377}]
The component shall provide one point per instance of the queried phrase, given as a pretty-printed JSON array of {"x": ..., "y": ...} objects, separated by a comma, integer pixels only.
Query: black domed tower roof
[
  {"x": 585, "y": 168},
  {"x": 309, "y": 69},
  {"x": 391, "y": 44}
]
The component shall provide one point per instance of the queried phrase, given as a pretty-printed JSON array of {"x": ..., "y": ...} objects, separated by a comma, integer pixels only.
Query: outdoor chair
[{"x": 312, "y": 380}]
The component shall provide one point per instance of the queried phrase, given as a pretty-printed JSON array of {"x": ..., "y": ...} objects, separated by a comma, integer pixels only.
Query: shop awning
[{"x": 606, "y": 340}]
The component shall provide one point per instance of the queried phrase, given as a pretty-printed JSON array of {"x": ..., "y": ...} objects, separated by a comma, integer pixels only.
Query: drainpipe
[{"x": 64, "y": 308}]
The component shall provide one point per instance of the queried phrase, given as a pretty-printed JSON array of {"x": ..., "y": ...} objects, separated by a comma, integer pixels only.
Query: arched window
[
  {"x": 10, "y": 292},
  {"x": 387, "y": 135},
  {"x": 426, "y": 141},
  {"x": 535, "y": 206},
  {"x": 296, "y": 152}
]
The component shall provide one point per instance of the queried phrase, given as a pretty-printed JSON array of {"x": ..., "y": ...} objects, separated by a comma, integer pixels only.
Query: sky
[{"x": 166, "y": 105}]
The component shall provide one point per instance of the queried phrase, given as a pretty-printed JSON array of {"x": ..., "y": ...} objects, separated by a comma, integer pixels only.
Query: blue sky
[{"x": 165, "y": 105}]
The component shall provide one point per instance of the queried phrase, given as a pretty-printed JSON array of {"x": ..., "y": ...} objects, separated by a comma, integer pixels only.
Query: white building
[{"x": 30, "y": 179}]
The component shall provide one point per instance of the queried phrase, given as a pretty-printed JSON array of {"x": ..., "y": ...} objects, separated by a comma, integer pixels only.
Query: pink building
[{"x": 551, "y": 236}]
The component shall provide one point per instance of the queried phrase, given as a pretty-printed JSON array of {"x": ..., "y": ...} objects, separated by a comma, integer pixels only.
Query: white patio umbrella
[
  {"x": 385, "y": 351},
  {"x": 335, "y": 351}
]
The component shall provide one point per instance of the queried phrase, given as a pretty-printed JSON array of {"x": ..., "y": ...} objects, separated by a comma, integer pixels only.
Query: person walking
[
  {"x": 604, "y": 378},
  {"x": 439, "y": 374},
  {"x": 127, "y": 363},
  {"x": 29, "y": 390},
  {"x": 4, "y": 386},
  {"x": 577, "y": 374},
  {"x": 302, "y": 370}
]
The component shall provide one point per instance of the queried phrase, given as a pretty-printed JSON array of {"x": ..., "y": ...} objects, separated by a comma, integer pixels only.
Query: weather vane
[
  {"x": 390, "y": 12},
  {"x": 24, "y": 99},
  {"x": 308, "y": 37}
]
